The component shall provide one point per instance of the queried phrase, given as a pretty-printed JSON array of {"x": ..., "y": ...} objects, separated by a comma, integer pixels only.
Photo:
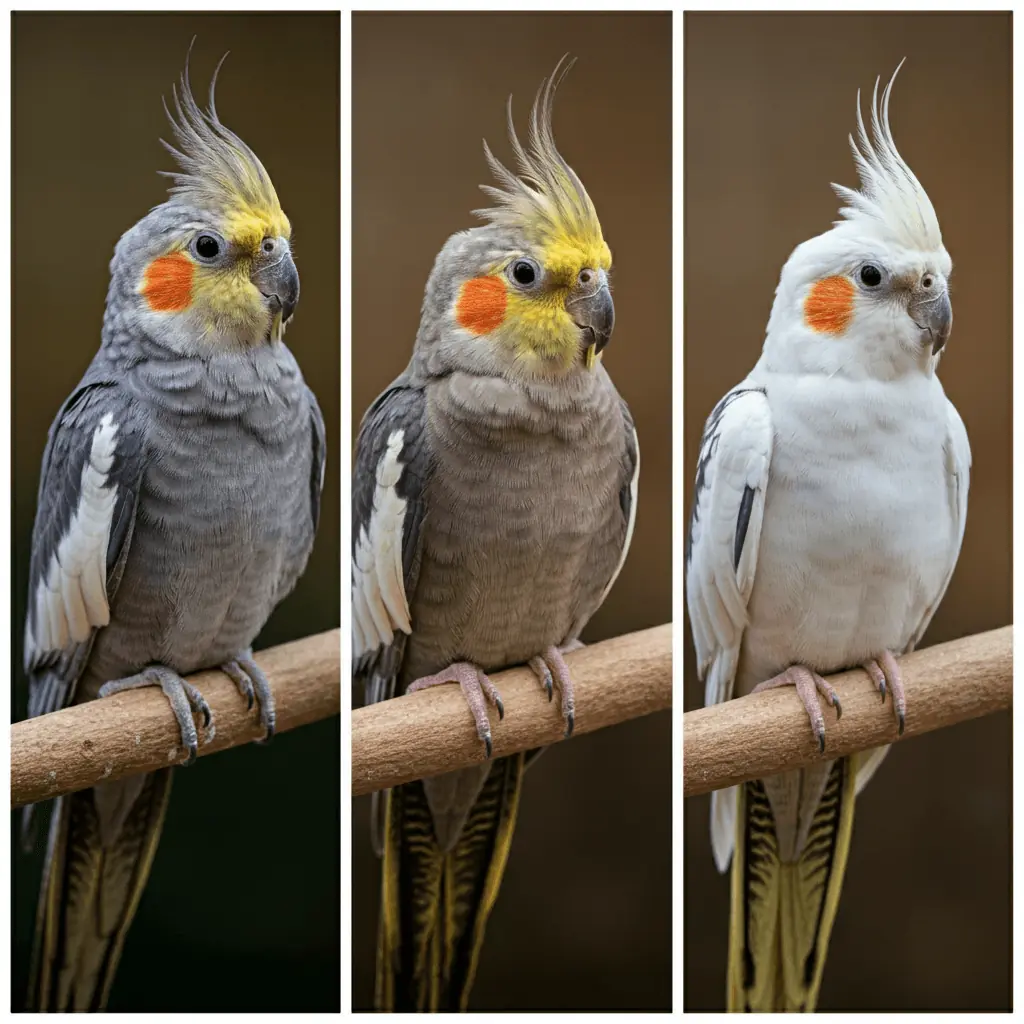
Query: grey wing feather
[
  {"x": 319, "y": 457},
  {"x": 392, "y": 466},
  {"x": 88, "y": 493},
  {"x": 628, "y": 494}
]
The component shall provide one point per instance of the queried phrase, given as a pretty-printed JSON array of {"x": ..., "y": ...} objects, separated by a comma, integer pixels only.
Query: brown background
[
  {"x": 924, "y": 922},
  {"x": 584, "y": 916},
  {"x": 242, "y": 910}
]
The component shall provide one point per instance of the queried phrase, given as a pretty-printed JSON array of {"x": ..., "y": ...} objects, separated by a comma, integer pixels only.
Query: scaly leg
[
  {"x": 551, "y": 663},
  {"x": 885, "y": 669},
  {"x": 184, "y": 699},
  {"x": 254, "y": 685},
  {"x": 808, "y": 685},
  {"x": 476, "y": 688}
]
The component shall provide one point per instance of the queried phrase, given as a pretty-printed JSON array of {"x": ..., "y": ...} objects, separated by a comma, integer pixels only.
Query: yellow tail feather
[
  {"x": 782, "y": 913},
  {"x": 434, "y": 906},
  {"x": 89, "y": 896}
]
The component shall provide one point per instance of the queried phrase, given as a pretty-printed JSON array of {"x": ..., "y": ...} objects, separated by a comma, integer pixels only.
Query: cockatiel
[
  {"x": 178, "y": 500},
  {"x": 494, "y": 496},
  {"x": 830, "y": 505}
]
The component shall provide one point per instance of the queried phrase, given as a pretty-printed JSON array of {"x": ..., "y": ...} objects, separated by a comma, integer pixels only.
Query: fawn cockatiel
[
  {"x": 829, "y": 510},
  {"x": 178, "y": 500},
  {"x": 494, "y": 495}
]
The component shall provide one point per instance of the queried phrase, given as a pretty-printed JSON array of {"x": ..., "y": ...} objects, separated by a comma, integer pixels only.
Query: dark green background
[{"x": 242, "y": 910}]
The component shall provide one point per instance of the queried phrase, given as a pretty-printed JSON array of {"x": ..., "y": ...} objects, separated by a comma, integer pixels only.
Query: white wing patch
[
  {"x": 71, "y": 599},
  {"x": 379, "y": 603},
  {"x": 732, "y": 481}
]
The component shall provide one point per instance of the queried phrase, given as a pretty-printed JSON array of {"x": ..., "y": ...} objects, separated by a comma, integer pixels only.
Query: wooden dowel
[
  {"x": 766, "y": 733},
  {"x": 432, "y": 731},
  {"x": 135, "y": 731}
]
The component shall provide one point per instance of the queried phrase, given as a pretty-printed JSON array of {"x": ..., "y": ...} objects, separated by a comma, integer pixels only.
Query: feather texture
[
  {"x": 783, "y": 911},
  {"x": 891, "y": 201},
  {"x": 435, "y": 905}
]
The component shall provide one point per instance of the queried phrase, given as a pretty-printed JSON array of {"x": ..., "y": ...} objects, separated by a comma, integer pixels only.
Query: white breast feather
[{"x": 379, "y": 602}]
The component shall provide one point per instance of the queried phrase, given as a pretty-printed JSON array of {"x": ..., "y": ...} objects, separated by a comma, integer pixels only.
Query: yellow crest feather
[
  {"x": 546, "y": 201},
  {"x": 219, "y": 171}
]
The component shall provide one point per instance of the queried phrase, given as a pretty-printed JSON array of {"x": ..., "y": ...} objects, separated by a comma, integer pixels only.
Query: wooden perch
[
  {"x": 135, "y": 732},
  {"x": 432, "y": 731},
  {"x": 769, "y": 732}
]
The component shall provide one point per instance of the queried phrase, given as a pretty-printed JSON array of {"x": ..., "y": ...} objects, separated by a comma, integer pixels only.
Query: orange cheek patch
[
  {"x": 168, "y": 283},
  {"x": 481, "y": 305},
  {"x": 829, "y": 306}
]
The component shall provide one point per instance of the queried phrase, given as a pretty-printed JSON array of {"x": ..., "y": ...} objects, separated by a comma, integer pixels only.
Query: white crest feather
[{"x": 891, "y": 201}]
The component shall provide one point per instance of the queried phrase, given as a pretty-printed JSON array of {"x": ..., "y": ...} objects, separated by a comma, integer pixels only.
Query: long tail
[
  {"x": 435, "y": 906},
  {"x": 96, "y": 868},
  {"x": 782, "y": 913}
]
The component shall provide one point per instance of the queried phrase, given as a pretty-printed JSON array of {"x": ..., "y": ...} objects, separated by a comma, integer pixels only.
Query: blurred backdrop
[
  {"x": 242, "y": 909},
  {"x": 584, "y": 915},
  {"x": 924, "y": 922}
]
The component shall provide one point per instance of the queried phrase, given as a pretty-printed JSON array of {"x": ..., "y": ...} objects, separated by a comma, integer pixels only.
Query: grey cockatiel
[
  {"x": 830, "y": 507},
  {"x": 493, "y": 500},
  {"x": 178, "y": 500}
]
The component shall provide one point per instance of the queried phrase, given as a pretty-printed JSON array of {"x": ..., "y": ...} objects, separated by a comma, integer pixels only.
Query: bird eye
[
  {"x": 524, "y": 272},
  {"x": 207, "y": 247},
  {"x": 870, "y": 275},
  {"x": 927, "y": 281}
]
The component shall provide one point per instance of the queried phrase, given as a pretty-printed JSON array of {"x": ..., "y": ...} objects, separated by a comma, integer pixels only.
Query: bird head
[
  {"x": 870, "y": 297},
  {"x": 527, "y": 294},
  {"x": 211, "y": 268}
]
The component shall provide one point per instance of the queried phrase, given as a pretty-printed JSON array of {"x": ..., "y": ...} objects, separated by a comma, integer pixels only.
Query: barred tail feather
[
  {"x": 435, "y": 906},
  {"x": 782, "y": 913},
  {"x": 91, "y": 889}
]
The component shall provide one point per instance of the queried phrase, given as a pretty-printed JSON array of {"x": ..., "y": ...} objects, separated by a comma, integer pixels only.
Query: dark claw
[
  {"x": 206, "y": 714},
  {"x": 881, "y": 690},
  {"x": 903, "y": 721},
  {"x": 488, "y": 746},
  {"x": 251, "y": 696},
  {"x": 838, "y": 707},
  {"x": 191, "y": 759},
  {"x": 570, "y": 724},
  {"x": 271, "y": 730},
  {"x": 501, "y": 708},
  {"x": 821, "y": 741}
]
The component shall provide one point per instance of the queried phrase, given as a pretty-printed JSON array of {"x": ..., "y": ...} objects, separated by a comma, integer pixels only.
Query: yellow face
[
  {"x": 523, "y": 300},
  {"x": 209, "y": 273}
]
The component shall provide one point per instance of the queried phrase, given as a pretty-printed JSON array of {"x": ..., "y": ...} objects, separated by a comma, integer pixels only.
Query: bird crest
[
  {"x": 891, "y": 201},
  {"x": 219, "y": 171},
  {"x": 546, "y": 200}
]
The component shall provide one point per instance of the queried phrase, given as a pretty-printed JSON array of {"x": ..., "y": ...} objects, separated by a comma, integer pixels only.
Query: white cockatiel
[{"x": 829, "y": 511}]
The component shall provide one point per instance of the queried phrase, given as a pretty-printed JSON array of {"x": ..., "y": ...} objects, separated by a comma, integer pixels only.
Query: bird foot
[
  {"x": 549, "y": 666},
  {"x": 808, "y": 685},
  {"x": 184, "y": 698},
  {"x": 885, "y": 669},
  {"x": 254, "y": 685},
  {"x": 476, "y": 688}
]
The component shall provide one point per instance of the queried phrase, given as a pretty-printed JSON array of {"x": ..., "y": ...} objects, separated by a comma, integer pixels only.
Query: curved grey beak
[
  {"x": 934, "y": 314},
  {"x": 594, "y": 314},
  {"x": 279, "y": 282}
]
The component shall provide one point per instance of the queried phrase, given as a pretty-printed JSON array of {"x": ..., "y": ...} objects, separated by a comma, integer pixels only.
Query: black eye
[
  {"x": 207, "y": 247},
  {"x": 870, "y": 275},
  {"x": 524, "y": 272},
  {"x": 927, "y": 281}
]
